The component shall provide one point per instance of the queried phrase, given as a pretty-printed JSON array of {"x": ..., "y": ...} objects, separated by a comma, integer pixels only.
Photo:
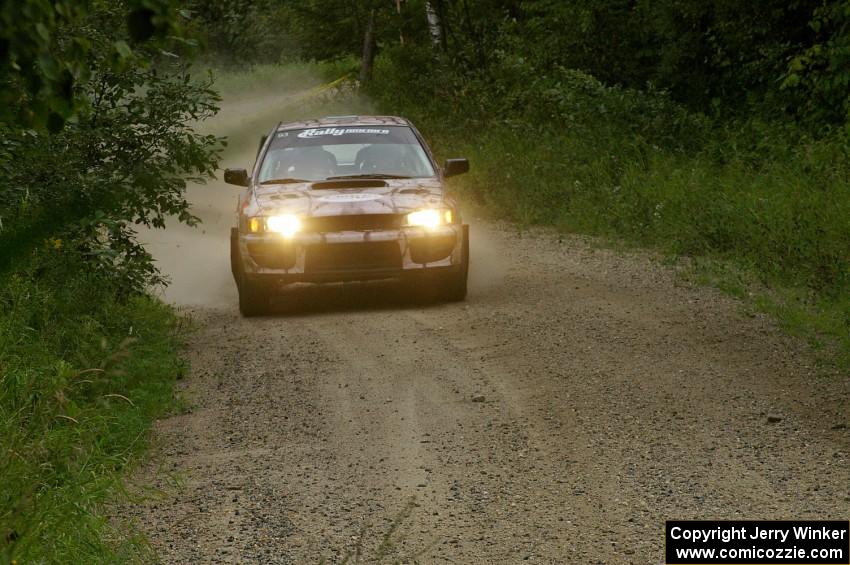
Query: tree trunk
[
  {"x": 368, "y": 50},
  {"x": 434, "y": 27}
]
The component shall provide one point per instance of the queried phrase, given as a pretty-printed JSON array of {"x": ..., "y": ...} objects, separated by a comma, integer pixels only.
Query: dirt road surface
[{"x": 575, "y": 401}]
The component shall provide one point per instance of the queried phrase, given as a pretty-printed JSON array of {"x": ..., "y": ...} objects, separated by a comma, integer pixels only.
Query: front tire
[
  {"x": 454, "y": 285},
  {"x": 253, "y": 298}
]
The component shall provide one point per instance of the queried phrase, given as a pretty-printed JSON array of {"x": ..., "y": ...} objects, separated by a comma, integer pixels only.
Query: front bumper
[{"x": 349, "y": 255}]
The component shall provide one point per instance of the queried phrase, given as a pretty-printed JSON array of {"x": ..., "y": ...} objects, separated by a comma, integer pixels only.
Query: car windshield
[{"x": 317, "y": 154}]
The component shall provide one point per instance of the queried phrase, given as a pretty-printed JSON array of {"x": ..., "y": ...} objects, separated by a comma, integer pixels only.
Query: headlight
[
  {"x": 286, "y": 224},
  {"x": 429, "y": 218}
]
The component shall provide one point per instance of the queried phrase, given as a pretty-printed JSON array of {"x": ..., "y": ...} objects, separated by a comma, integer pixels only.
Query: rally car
[{"x": 346, "y": 198}]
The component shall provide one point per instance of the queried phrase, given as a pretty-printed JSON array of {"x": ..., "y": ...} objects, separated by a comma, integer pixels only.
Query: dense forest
[
  {"x": 711, "y": 129},
  {"x": 778, "y": 59}
]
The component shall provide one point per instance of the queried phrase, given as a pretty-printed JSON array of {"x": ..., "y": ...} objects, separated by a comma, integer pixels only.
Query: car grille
[
  {"x": 353, "y": 222},
  {"x": 368, "y": 256}
]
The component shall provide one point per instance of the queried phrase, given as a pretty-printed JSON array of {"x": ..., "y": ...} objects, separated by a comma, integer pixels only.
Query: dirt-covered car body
[{"x": 345, "y": 199}]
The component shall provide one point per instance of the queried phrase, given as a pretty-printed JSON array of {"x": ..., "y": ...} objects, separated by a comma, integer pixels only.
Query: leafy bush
[
  {"x": 124, "y": 156},
  {"x": 820, "y": 74}
]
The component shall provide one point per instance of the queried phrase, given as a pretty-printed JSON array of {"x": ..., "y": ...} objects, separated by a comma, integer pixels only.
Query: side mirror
[
  {"x": 454, "y": 167},
  {"x": 239, "y": 177}
]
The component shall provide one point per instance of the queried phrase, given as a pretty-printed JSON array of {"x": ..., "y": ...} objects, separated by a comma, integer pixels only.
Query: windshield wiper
[
  {"x": 284, "y": 181},
  {"x": 369, "y": 176}
]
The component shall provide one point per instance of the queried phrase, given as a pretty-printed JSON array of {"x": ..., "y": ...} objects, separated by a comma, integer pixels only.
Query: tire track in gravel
[{"x": 578, "y": 399}]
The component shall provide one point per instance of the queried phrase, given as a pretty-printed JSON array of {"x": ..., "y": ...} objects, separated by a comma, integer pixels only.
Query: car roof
[{"x": 331, "y": 121}]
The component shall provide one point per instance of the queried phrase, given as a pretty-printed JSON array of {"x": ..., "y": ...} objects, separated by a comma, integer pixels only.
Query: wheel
[
  {"x": 453, "y": 286},
  {"x": 253, "y": 297}
]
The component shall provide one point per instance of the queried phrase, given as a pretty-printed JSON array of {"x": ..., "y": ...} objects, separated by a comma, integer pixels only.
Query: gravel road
[{"x": 576, "y": 400}]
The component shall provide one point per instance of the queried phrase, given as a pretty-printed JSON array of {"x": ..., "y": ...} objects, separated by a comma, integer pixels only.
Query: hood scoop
[{"x": 349, "y": 183}]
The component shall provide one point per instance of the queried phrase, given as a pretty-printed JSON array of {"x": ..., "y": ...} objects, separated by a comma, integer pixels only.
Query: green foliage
[
  {"x": 516, "y": 94},
  {"x": 324, "y": 30},
  {"x": 123, "y": 159},
  {"x": 237, "y": 32},
  {"x": 44, "y": 59},
  {"x": 820, "y": 75},
  {"x": 82, "y": 376},
  {"x": 709, "y": 54}
]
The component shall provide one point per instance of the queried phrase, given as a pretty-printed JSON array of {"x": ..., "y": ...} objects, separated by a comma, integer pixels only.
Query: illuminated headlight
[
  {"x": 429, "y": 218},
  {"x": 286, "y": 224}
]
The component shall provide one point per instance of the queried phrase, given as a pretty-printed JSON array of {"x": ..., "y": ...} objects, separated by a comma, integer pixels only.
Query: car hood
[{"x": 338, "y": 198}]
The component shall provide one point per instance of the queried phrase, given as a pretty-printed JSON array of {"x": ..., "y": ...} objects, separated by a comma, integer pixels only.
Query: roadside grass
[{"x": 83, "y": 374}]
